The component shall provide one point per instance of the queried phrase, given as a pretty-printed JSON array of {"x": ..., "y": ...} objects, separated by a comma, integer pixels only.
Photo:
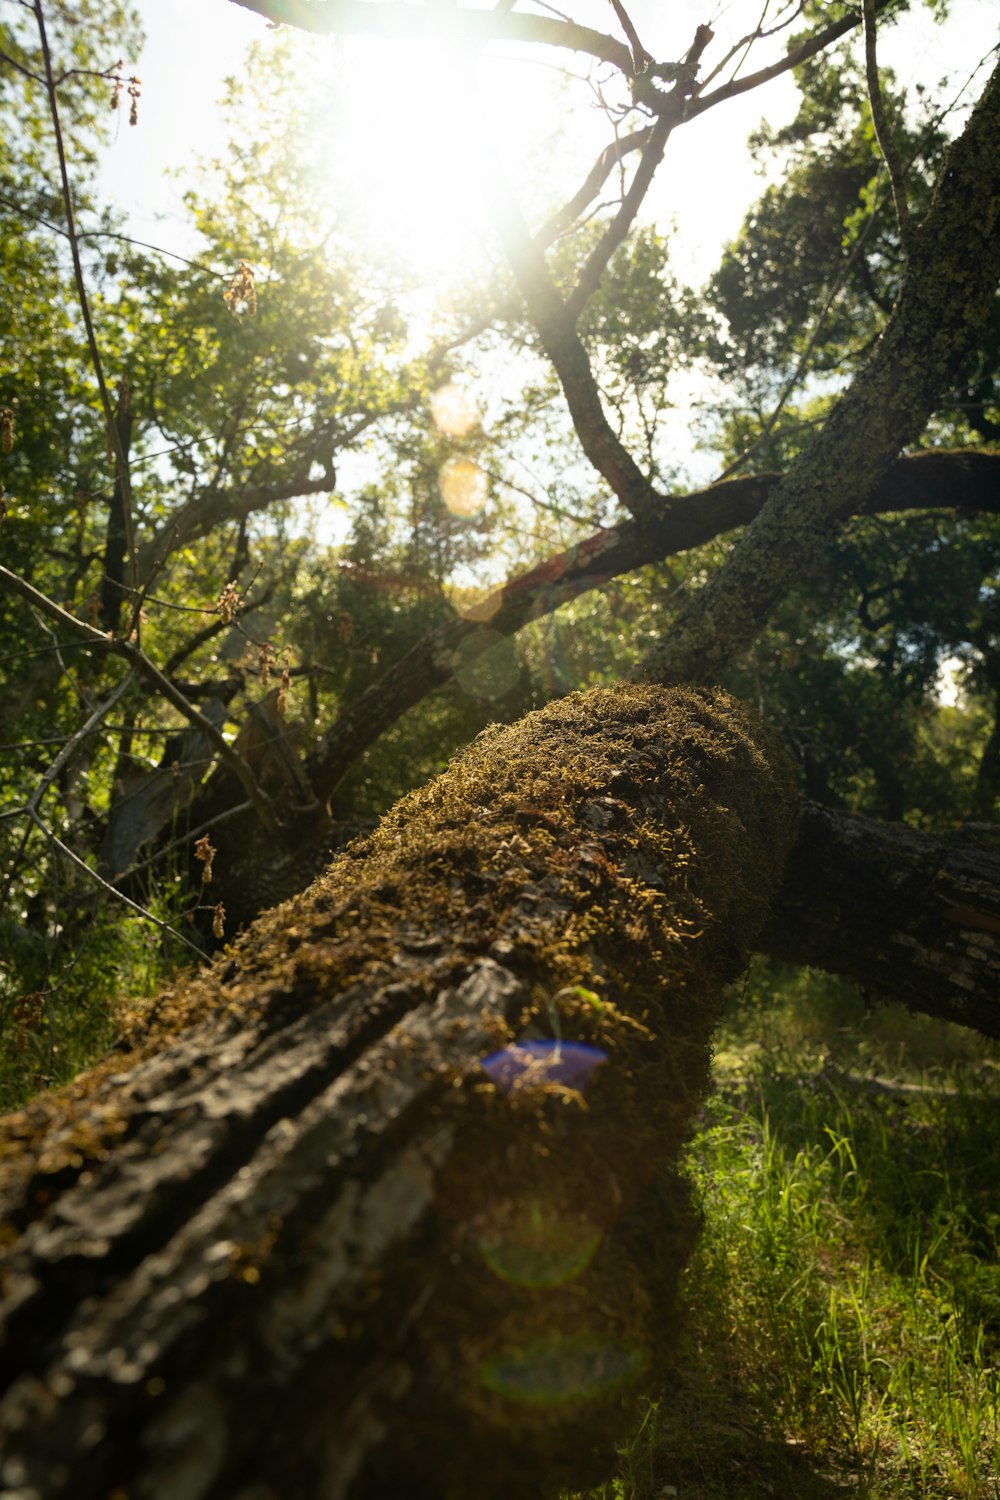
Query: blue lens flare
[{"x": 533, "y": 1064}]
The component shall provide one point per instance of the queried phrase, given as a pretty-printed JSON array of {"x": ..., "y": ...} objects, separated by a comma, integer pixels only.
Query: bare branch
[
  {"x": 883, "y": 134},
  {"x": 640, "y": 57},
  {"x": 794, "y": 59},
  {"x": 138, "y": 659},
  {"x": 757, "y": 35},
  {"x": 598, "y": 175},
  {"x": 597, "y": 262},
  {"x": 562, "y": 345},
  {"x": 111, "y": 426}
]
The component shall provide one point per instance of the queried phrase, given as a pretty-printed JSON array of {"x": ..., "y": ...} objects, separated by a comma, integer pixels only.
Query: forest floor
[{"x": 843, "y": 1309}]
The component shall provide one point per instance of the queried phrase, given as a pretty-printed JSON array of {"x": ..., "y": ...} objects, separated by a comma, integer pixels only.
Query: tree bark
[
  {"x": 907, "y": 915},
  {"x": 965, "y": 479},
  {"x": 961, "y": 478},
  {"x": 953, "y": 266},
  {"x": 382, "y": 1202}
]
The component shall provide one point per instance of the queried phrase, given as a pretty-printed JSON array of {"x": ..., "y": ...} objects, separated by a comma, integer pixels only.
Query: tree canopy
[
  {"x": 281, "y": 531},
  {"x": 287, "y": 522}
]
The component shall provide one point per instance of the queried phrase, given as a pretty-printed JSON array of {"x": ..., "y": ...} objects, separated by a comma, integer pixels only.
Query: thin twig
[
  {"x": 98, "y": 880},
  {"x": 883, "y": 134},
  {"x": 746, "y": 42},
  {"x": 110, "y": 234},
  {"x": 177, "y": 839},
  {"x": 138, "y": 659},
  {"x": 20, "y": 68},
  {"x": 114, "y": 436}
]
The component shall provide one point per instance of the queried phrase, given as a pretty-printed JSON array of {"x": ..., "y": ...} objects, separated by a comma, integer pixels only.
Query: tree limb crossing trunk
[{"x": 382, "y": 1203}]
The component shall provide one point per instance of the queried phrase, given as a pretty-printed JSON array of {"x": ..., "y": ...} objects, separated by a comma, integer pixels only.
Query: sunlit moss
[{"x": 612, "y": 856}]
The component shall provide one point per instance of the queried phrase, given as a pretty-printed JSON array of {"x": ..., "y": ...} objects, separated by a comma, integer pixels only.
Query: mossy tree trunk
[{"x": 383, "y": 1202}]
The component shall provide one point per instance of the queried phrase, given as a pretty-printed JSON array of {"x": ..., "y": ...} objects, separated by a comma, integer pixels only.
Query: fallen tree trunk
[
  {"x": 382, "y": 1202},
  {"x": 907, "y": 915}
]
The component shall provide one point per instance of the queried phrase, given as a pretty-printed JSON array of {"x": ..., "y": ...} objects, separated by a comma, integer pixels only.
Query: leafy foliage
[{"x": 326, "y": 469}]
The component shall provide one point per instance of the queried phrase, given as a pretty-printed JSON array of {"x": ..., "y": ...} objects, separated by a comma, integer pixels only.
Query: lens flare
[
  {"x": 486, "y": 664},
  {"x": 537, "y": 1244},
  {"x": 453, "y": 411},
  {"x": 463, "y": 486},
  {"x": 532, "y": 1064},
  {"x": 479, "y": 602},
  {"x": 554, "y": 1371}
]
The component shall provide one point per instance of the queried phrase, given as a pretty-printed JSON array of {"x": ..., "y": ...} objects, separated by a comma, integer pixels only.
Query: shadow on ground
[{"x": 712, "y": 1445}]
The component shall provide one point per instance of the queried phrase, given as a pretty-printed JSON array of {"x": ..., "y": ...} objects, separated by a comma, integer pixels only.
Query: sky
[
  {"x": 704, "y": 185},
  {"x": 412, "y": 126},
  {"x": 409, "y": 138}
]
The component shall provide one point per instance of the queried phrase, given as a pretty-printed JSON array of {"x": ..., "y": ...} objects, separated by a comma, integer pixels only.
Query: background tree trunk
[
  {"x": 908, "y": 915},
  {"x": 382, "y": 1203}
]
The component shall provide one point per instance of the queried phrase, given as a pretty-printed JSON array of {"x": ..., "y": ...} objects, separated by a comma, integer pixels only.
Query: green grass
[
  {"x": 61, "y": 1010},
  {"x": 843, "y": 1334}
]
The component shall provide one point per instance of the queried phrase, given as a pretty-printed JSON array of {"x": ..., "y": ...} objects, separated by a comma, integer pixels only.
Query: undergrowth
[
  {"x": 843, "y": 1309},
  {"x": 60, "y": 1014}
]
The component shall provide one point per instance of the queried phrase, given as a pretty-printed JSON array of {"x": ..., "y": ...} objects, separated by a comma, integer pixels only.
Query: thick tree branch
[
  {"x": 614, "y": 235},
  {"x": 561, "y": 343},
  {"x": 456, "y": 23},
  {"x": 477, "y": 27},
  {"x": 952, "y": 274},
  {"x": 669, "y": 113},
  {"x": 333, "y": 1225},
  {"x": 966, "y": 478},
  {"x": 213, "y": 507}
]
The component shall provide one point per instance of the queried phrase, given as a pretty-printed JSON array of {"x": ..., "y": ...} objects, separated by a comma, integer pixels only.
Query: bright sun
[{"x": 408, "y": 151}]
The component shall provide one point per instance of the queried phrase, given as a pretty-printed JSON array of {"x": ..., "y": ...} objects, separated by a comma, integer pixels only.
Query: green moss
[{"x": 613, "y": 855}]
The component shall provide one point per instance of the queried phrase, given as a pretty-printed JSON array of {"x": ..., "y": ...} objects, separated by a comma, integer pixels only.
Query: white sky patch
[
  {"x": 949, "y": 690},
  {"x": 417, "y": 154},
  {"x": 416, "y": 160}
]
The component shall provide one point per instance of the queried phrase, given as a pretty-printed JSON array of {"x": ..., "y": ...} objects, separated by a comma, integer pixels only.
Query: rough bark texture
[
  {"x": 296, "y": 1240},
  {"x": 246, "y": 884},
  {"x": 952, "y": 272},
  {"x": 908, "y": 915},
  {"x": 963, "y": 478}
]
